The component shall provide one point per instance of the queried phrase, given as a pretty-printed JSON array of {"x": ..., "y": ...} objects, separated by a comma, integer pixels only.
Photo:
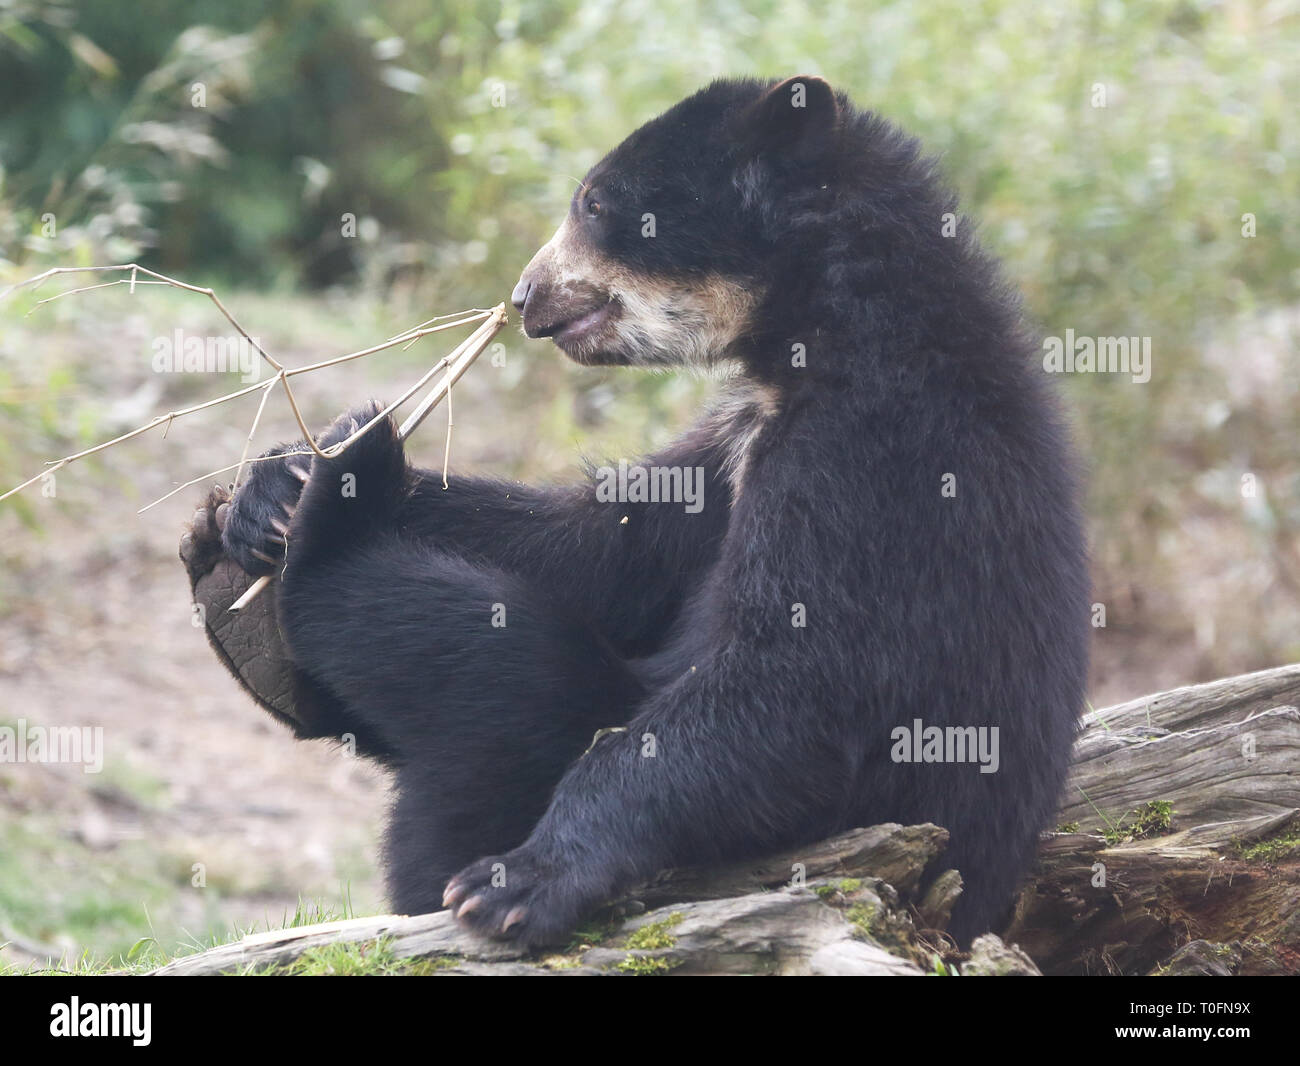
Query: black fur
[{"x": 965, "y": 611}]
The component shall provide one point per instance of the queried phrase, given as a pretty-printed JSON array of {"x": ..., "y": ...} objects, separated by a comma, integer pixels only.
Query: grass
[
  {"x": 942, "y": 969},
  {"x": 373, "y": 958},
  {"x": 143, "y": 954},
  {"x": 63, "y": 894},
  {"x": 1153, "y": 818},
  {"x": 124, "y": 902}
]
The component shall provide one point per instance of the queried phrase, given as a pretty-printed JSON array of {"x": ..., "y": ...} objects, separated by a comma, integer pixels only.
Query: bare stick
[
  {"x": 160, "y": 420},
  {"x": 460, "y": 361},
  {"x": 446, "y": 451},
  {"x": 135, "y": 269},
  {"x": 213, "y": 473},
  {"x": 283, "y": 373},
  {"x": 455, "y": 364},
  {"x": 248, "y": 441},
  {"x": 462, "y": 352}
]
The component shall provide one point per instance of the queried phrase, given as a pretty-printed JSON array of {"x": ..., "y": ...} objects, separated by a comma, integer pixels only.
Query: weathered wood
[
  {"x": 1226, "y": 757},
  {"x": 1115, "y": 896},
  {"x": 990, "y": 957},
  {"x": 894, "y": 853},
  {"x": 732, "y": 923},
  {"x": 417, "y": 936},
  {"x": 1227, "y": 754},
  {"x": 1194, "y": 706},
  {"x": 1095, "y": 909}
]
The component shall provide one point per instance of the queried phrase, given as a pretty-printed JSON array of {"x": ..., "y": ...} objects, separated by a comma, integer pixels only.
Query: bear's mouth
[{"x": 573, "y": 332}]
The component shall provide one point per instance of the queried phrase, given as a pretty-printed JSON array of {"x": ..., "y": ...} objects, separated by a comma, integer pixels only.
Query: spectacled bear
[{"x": 877, "y": 610}]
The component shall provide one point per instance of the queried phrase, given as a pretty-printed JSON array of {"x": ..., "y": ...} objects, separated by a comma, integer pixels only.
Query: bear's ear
[{"x": 794, "y": 120}]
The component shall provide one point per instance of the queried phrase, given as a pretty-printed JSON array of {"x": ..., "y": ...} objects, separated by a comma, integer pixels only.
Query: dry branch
[
  {"x": 489, "y": 322},
  {"x": 456, "y": 363}
]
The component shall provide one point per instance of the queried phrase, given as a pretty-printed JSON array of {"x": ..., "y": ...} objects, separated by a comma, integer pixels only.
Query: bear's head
[{"x": 674, "y": 239}]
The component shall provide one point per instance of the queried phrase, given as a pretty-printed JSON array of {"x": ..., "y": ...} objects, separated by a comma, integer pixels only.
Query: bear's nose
[{"x": 520, "y": 296}]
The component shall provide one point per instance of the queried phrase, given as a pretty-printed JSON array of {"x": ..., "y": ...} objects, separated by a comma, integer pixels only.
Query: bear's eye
[{"x": 594, "y": 207}]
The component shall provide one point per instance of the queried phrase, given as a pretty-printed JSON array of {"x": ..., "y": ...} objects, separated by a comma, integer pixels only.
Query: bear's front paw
[
  {"x": 524, "y": 896},
  {"x": 367, "y": 476},
  {"x": 259, "y": 531},
  {"x": 255, "y": 524}
]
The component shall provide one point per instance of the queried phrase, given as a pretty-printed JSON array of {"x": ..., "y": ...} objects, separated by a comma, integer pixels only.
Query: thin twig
[
  {"x": 213, "y": 473},
  {"x": 166, "y": 419},
  {"x": 407, "y": 427},
  {"x": 446, "y": 452},
  {"x": 490, "y": 322},
  {"x": 248, "y": 441},
  {"x": 459, "y": 361},
  {"x": 281, "y": 377}
]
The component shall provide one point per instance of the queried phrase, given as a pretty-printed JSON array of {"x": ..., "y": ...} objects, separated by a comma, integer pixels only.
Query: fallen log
[
  {"x": 1178, "y": 852},
  {"x": 724, "y": 921},
  {"x": 1185, "y": 811}
]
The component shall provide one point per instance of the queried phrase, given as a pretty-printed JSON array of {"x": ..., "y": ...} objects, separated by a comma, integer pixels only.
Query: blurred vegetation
[
  {"x": 224, "y": 142},
  {"x": 453, "y": 133}
]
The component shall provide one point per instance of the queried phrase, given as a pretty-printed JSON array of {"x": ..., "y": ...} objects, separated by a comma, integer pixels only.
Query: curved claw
[
  {"x": 301, "y": 473},
  {"x": 515, "y": 917},
  {"x": 257, "y": 553},
  {"x": 453, "y": 893},
  {"x": 471, "y": 904}
]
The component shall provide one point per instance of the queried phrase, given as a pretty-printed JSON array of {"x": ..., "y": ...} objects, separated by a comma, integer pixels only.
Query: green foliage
[
  {"x": 466, "y": 124},
  {"x": 1151, "y": 819},
  {"x": 647, "y": 965},
  {"x": 942, "y": 969},
  {"x": 655, "y": 935},
  {"x": 1283, "y": 845},
  {"x": 455, "y": 132}
]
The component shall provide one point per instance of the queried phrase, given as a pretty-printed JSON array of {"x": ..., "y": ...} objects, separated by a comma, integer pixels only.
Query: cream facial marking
[{"x": 599, "y": 311}]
